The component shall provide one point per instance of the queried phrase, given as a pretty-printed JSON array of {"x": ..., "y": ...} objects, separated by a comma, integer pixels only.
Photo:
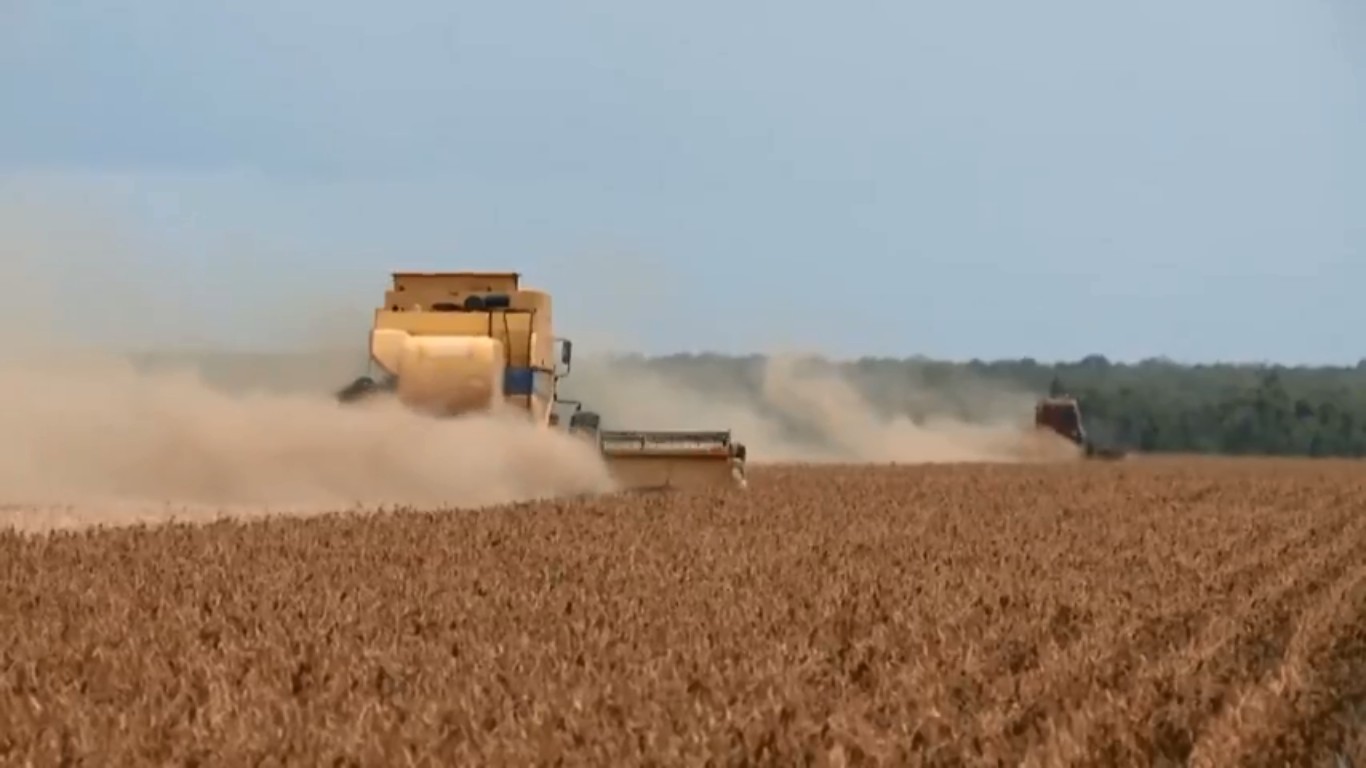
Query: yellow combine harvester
[{"x": 455, "y": 343}]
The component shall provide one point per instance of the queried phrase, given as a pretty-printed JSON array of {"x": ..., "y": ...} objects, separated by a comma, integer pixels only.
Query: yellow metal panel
[
  {"x": 463, "y": 282},
  {"x": 514, "y": 329},
  {"x": 435, "y": 323},
  {"x": 442, "y": 374},
  {"x": 422, "y": 290},
  {"x": 543, "y": 330},
  {"x": 532, "y": 300}
]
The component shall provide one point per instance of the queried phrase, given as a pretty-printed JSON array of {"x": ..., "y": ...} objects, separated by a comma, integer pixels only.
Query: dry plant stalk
[{"x": 1202, "y": 612}]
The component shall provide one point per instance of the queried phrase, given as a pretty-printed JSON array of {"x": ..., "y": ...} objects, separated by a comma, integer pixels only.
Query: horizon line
[{"x": 1096, "y": 358}]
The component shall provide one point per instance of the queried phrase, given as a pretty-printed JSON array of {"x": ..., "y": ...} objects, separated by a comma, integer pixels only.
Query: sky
[{"x": 972, "y": 179}]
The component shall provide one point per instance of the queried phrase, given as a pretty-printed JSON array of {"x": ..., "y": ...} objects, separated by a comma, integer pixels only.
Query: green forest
[{"x": 1150, "y": 406}]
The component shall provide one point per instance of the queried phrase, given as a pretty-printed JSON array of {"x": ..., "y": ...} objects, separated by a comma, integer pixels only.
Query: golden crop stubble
[{"x": 1082, "y": 612}]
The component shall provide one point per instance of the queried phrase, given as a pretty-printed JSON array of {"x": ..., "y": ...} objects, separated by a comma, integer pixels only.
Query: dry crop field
[{"x": 1208, "y": 612}]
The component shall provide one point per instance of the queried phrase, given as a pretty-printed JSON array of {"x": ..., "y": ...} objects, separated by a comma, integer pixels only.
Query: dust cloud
[
  {"x": 108, "y": 440},
  {"x": 90, "y": 438},
  {"x": 95, "y": 437},
  {"x": 788, "y": 406},
  {"x": 801, "y": 410}
]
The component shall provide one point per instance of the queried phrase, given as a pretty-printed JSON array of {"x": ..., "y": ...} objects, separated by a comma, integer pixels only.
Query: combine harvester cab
[{"x": 455, "y": 343}]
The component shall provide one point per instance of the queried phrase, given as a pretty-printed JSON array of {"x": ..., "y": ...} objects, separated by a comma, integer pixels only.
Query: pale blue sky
[{"x": 952, "y": 179}]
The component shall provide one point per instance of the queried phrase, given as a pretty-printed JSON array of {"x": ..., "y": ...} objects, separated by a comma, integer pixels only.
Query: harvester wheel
[
  {"x": 738, "y": 466},
  {"x": 587, "y": 421},
  {"x": 358, "y": 389},
  {"x": 587, "y": 424},
  {"x": 1103, "y": 453}
]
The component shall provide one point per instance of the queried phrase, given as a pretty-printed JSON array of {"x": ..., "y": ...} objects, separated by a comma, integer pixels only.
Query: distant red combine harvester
[{"x": 1063, "y": 416}]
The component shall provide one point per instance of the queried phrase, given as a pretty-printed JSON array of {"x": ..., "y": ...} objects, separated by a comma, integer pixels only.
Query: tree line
[{"x": 1152, "y": 406}]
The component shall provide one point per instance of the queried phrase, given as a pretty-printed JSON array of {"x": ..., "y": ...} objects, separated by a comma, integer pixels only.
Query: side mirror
[{"x": 566, "y": 351}]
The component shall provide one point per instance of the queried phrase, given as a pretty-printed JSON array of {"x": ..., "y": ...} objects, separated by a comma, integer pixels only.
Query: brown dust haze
[
  {"x": 803, "y": 412},
  {"x": 93, "y": 438},
  {"x": 90, "y": 438}
]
